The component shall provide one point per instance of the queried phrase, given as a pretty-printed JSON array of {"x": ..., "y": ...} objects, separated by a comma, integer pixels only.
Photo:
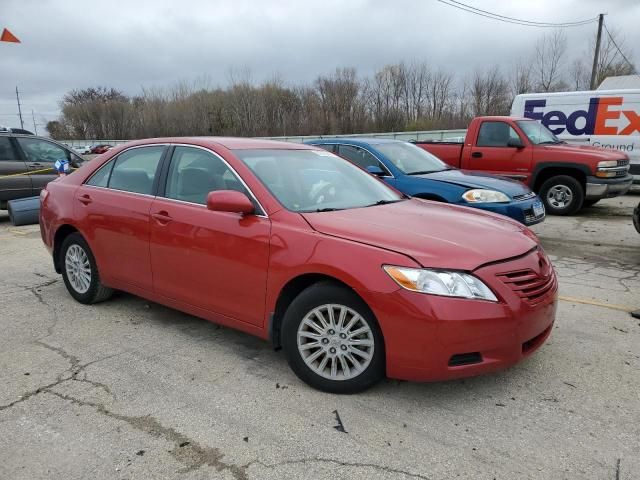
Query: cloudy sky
[{"x": 130, "y": 44}]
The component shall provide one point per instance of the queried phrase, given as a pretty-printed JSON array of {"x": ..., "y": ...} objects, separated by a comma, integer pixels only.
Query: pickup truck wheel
[{"x": 562, "y": 195}]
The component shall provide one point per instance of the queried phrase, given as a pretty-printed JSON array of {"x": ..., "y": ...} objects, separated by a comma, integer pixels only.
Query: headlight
[
  {"x": 437, "y": 282},
  {"x": 484, "y": 196},
  {"x": 608, "y": 163}
]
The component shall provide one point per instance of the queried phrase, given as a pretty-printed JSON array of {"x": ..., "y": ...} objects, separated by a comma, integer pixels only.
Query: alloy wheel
[
  {"x": 335, "y": 342},
  {"x": 78, "y": 268}
]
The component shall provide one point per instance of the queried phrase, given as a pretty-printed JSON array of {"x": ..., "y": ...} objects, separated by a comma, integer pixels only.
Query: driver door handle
[
  {"x": 162, "y": 217},
  {"x": 476, "y": 154},
  {"x": 85, "y": 199}
]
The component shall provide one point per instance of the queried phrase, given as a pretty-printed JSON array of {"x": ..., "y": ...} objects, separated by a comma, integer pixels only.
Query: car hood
[
  {"x": 434, "y": 234},
  {"x": 468, "y": 179},
  {"x": 585, "y": 151}
]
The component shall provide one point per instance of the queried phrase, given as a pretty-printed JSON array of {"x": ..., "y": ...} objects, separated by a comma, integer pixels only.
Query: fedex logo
[{"x": 593, "y": 121}]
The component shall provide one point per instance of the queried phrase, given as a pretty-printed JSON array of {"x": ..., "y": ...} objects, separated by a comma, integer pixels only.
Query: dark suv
[{"x": 22, "y": 154}]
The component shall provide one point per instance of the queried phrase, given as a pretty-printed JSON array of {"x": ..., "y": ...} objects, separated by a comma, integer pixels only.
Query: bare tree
[
  {"x": 610, "y": 61},
  {"x": 549, "y": 54},
  {"x": 522, "y": 78},
  {"x": 489, "y": 93}
]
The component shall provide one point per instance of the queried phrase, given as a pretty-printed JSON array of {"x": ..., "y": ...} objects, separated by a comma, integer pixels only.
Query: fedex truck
[{"x": 601, "y": 118}]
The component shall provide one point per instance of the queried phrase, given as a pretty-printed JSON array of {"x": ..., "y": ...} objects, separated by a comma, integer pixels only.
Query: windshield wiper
[
  {"x": 327, "y": 209},
  {"x": 384, "y": 202},
  {"x": 423, "y": 172}
]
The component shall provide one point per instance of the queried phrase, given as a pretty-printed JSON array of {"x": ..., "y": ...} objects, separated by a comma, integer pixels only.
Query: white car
[{"x": 83, "y": 150}]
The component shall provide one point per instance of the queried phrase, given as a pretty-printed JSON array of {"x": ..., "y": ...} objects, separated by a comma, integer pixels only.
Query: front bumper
[
  {"x": 430, "y": 338},
  {"x": 521, "y": 211},
  {"x": 597, "y": 188}
]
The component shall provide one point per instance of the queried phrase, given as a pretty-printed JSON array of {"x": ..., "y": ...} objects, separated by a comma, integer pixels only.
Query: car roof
[
  {"x": 356, "y": 140},
  {"x": 232, "y": 143}
]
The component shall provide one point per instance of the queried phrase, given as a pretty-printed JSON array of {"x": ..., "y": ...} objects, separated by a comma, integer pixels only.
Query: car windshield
[
  {"x": 410, "y": 159},
  {"x": 537, "y": 133},
  {"x": 315, "y": 181}
]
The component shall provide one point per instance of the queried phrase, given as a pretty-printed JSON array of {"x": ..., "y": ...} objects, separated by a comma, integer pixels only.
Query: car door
[
  {"x": 18, "y": 185},
  {"x": 491, "y": 152},
  {"x": 112, "y": 208},
  {"x": 40, "y": 156},
  {"x": 217, "y": 261}
]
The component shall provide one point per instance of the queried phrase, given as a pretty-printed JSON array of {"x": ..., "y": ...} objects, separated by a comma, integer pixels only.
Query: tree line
[{"x": 398, "y": 97}]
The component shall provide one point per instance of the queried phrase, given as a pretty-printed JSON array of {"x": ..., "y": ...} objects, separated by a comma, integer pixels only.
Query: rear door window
[{"x": 135, "y": 170}]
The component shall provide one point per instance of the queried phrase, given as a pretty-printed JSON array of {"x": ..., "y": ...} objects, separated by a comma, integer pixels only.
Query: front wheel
[
  {"x": 562, "y": 195},
  {"x": 80, "y": 272},
  {"x": 332, "y": 340}
]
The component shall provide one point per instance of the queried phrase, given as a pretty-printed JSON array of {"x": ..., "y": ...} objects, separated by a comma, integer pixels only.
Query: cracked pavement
[{"x": 129, "y": 389}]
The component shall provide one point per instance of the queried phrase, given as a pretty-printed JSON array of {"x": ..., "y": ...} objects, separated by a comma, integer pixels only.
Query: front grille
[
  {"x": 529, "y": 216},
  {"x": 529, "y": 285},
  {"x": 623, "y": 162},
  {"x": 524, "y": 196}
]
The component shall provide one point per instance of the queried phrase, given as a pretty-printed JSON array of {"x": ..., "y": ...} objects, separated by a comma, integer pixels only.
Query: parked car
[
  {"x": 602, "y": 118},
  {"x": 420, "y": 174},
  {"x": 99, "y": 149},
  {"x": 83, "y": 150},
  {"x": 566, "y": 177},
  {"x": 30, "y": 162},
  {"x": 295, "y": 244}
]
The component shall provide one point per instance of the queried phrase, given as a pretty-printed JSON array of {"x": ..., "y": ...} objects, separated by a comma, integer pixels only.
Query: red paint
[{"x": 231, "y": 268}]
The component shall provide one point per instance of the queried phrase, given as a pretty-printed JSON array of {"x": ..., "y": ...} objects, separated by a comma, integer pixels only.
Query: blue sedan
[{"x": 418, "y": 173}]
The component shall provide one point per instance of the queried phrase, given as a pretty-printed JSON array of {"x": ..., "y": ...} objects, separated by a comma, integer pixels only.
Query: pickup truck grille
[
  {"x": 529, "y": 285},
  {"x": 524, "y": 196},
  {"x": 623, "y": 162}
]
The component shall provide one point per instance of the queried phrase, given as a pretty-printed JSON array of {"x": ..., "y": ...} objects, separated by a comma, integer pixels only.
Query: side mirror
[
  {"x": 375, "y": 170},
  {"x": 229, "y": 201},
  {"x": 515, "y": 143}
]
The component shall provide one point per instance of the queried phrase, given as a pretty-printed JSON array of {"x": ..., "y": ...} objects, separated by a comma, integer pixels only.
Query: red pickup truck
[{"x": 567, "y": 177}]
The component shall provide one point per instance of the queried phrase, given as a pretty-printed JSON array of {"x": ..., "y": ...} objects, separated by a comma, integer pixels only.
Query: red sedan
[{"x": 296, "y": 245}]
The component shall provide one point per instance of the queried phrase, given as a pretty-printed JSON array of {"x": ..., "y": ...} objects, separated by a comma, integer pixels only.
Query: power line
[
  {"x": 633, "y": 68},
  {"x": 512, "y": 20}
]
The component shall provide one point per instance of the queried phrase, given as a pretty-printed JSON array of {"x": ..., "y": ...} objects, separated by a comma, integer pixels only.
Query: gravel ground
[{"x": 129, "y": 389}]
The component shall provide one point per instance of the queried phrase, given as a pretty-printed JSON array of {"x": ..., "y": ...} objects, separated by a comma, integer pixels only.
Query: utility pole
[
  {"x": 35, "y": 129},
  {"x": 19, "y": 109},
  {"x": 596, "y": 54}
]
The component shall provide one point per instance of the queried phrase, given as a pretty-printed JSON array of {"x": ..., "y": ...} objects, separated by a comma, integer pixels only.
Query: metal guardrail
[{"x": 440, "y": 135}]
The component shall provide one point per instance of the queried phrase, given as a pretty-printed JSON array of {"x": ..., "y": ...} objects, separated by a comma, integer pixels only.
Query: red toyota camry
[{"x": 296, "y": 245}]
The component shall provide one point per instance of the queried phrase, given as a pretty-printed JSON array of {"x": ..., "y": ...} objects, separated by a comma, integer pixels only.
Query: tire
[
  {"x": 590, "y": 203},
  {"x": 562, "y": 195},
  {"x": 363, "y": 369},
  {"x": 76, "y": 256}
]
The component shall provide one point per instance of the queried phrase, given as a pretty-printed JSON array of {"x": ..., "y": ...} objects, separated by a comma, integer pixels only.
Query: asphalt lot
[{"x": 132, "y": 390}]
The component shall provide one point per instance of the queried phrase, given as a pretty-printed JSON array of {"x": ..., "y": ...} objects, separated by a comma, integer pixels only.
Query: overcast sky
[{"x": 130, "y": 44}]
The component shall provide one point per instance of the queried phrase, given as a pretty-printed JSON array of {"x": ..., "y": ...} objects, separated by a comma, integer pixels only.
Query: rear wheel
[
  {"x": 562, "y": 195},
  {"x": 332, "y": 340},
  {"x": 80, "y": 272}
]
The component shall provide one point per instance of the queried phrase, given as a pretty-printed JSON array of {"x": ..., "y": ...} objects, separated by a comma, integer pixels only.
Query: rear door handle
[
  {"x": 162, "y": 217},
  {"x": 476, "y": 154},
  {"x": 85, "y": 199},
  {"x": 35, "y": 165}
]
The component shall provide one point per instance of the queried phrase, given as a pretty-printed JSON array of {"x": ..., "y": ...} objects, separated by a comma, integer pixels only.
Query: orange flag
[{"x": 7, "y": 36}]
